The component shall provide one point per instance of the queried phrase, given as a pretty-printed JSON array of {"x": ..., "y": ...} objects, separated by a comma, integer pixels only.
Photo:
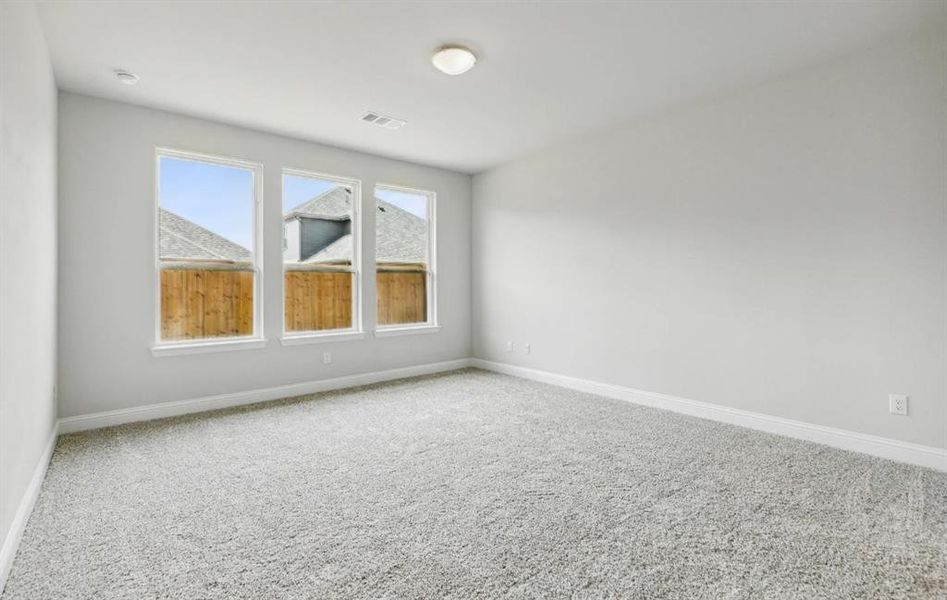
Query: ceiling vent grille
[{"x": 383, "y": 121}]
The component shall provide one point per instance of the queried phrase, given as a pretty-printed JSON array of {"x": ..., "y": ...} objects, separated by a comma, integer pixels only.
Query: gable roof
[
  {"x": 180, "y": 239},
  {"x": 401, "y": 236},
  {"x": 332, "y": 205}
]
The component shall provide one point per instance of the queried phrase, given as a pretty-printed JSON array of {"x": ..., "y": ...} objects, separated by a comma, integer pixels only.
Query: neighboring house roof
[
  {"x": 401, "y": 236},
  {"x": 339, "y": 251},
  {"x": 333, "y": 205},
  {"x": 182, "y": 239}
]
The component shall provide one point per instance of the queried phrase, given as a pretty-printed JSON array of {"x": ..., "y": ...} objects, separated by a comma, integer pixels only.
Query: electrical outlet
[
  {"x": 509, "y": 346},
  {"x": 526, "y": 349},
  {"x": 327, "y": 358},
  {"x": 898, "y": 404}
]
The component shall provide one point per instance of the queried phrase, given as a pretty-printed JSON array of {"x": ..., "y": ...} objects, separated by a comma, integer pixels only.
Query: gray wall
[
  {"x": 316, "y": 234},
  {"x": 780, "y": 250},
  {"x": 27, "y": 253},
  {"x": 107, "y": 300}
]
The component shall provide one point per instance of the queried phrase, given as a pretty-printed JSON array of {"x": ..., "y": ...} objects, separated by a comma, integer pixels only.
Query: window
[
  {"x": 208, "y": 276},
  {"x": 320, "y": 255},
  {"x": 405, "y": 258}
]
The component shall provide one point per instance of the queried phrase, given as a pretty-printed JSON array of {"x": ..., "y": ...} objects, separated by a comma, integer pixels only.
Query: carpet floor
[{"x": 473, "y": 485}]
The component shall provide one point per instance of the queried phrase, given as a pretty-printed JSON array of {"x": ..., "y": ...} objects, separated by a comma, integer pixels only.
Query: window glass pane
[
  {"x": 402, "y": 229},
  {"x": 318, "y": 248},
  {"x": 206, "y": 214}
]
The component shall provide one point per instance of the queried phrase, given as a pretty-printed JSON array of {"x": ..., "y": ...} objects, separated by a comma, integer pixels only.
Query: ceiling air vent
[{"x": 383, "y": 121}]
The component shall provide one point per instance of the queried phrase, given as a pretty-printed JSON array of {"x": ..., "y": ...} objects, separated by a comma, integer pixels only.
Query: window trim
[
  {"x": 431, "y": 325},
  {"x": 356, "y": 331},
  {"x": 394, "y": 330},
  {"x": 322, "y": 338},
  {"x": 202, "y": 346},
  {"x": 189, "y": 346}
]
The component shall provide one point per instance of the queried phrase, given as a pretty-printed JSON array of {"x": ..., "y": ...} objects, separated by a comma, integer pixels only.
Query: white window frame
[
  {"x": 431, "y": 324},
  {"x": 192, "y": 346},
  {"x": 293, "y": 338}
]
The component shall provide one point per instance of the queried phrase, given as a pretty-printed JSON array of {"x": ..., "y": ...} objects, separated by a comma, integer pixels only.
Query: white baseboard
[
  {"x": 183, "y": 407},
  {"x": 916, "y": 454},
  {"x": 925, "y": 456},
  {"x": 24, "y": 510}
]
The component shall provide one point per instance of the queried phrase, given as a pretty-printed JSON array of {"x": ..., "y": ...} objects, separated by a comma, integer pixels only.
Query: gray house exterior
[
  {"x": 316, "y": 223},
  {"x": 320, "y": 231}
]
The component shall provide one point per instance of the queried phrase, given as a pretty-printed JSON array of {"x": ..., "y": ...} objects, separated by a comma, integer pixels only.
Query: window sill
[
  {"x": 207, "y": 346},
  {"x": 320, "y": 338},
  {"x": 408, "y": 330}
]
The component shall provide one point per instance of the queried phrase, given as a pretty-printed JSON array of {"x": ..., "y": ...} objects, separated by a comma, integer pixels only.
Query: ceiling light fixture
[
  {"x": 126, "y": 77},
  {"x": 454, "y": 60}
]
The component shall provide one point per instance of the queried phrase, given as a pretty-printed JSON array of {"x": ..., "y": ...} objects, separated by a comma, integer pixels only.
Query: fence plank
[
  {"x": 206, "y": 303},
  {"x": 318, "y": 300},
  {"x": 402, "y": 297}
]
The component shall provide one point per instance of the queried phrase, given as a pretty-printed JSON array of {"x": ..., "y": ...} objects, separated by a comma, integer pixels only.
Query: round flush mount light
[
  {"x": 126, "y": 77},
  {"x": 454, "y": 60}
]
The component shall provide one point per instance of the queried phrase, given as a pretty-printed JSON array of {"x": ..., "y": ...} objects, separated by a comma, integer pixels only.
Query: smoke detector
[{"x": 382, "y": 121}]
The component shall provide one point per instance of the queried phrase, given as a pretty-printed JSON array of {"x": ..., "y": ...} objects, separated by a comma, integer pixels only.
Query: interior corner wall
[
  {"x": 107, "y": 273},
  {"x": 781, "y": 250},
  {"x": 27, "y": 256}
]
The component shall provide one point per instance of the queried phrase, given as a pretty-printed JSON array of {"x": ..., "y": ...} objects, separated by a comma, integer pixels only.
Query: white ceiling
[{"x": 547, "y": 71}]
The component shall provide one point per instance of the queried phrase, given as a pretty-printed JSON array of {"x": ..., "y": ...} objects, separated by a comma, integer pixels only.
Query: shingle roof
[
  {"x": 334, "y": 205},
  {"x": 339, "y": 251},
  {"x": 179, "y": 239},
  {"x": 401, "y": 236}
]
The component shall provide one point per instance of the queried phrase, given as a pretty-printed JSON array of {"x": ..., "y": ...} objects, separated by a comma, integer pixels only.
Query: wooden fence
[
  {"x": 402, "y": 294},
  {"x": 317, "y": 300},
  {"x": 208, "y": 300}
]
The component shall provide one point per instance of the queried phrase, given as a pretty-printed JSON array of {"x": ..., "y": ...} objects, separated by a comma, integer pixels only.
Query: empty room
[{"x": 473, "y": 299}]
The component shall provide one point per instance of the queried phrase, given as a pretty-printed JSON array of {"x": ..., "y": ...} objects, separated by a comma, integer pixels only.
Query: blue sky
[
  {"x": 413, "y": 203},
  {"x": 220, "y": 198},
  {"x": 215, "y": 197},
  {"x": 297, "y": 190}
]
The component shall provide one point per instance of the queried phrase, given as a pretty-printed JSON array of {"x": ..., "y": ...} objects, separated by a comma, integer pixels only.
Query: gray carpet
[{"x": 474, "y": 485}]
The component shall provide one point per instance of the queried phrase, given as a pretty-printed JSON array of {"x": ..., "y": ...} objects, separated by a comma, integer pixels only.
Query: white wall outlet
[
  {"x": 509, "y": 346},
  {"x": 327, "y": 358},
  {"x": 526, "y": 349},
  {"x": 898, "y": 404}
]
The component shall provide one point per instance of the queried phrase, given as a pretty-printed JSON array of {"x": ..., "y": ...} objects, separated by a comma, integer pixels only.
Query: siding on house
[
  {"x": 316, "y": 234},
  {"x": 401, "y": 237}
]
